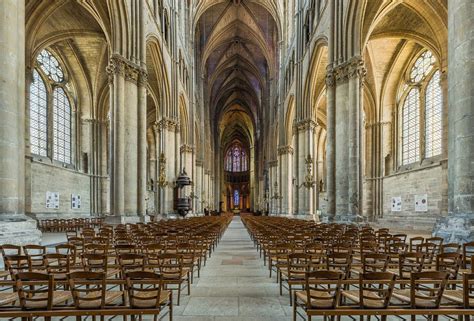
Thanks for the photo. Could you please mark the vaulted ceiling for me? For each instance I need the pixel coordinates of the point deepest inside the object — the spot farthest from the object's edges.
(236, 44)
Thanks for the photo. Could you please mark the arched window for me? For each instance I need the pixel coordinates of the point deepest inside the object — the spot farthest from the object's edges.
(50, 106)
(38, 116)
(61, 126)
(421, 111)
(236, 159)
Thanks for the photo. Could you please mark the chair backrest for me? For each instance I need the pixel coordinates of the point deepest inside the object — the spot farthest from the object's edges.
(468, 253)
(321, 292)
(36, 255)
(468, 290)
(95, 262)
(58, 264)
(427, 288)
(170, 263)
(449, 262)
(450, 248)
(429, 249)
(131, 262)
(409, 263)
(144, 289)
(10, 249)
(339, 262)
(375, 289)
(88, 289)
(375, 262)
(67, 249)
(17, 263)
(297, 265)
(35, 296)
(415, 241)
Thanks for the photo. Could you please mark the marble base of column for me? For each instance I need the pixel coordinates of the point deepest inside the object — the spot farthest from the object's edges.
(18, 229)
(455, 228)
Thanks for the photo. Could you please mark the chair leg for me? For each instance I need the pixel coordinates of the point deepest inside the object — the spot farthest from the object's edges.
(179, 292)
(294, 311)
(189, 286)
(289, 289)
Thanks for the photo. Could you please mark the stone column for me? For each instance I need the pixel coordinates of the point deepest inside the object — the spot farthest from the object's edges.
(356, 72)
(198, 187)
(15, 226)
(305, 135)
(168, 128)
(331, 143)
(459, 225)
(286, 179)
(142, 144)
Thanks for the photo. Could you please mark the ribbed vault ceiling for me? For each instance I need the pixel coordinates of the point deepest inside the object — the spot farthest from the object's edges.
(237, 49)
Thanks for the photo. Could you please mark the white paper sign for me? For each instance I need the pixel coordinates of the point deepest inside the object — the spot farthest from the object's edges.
(75, 201)
(396, 204)
(421, 203)
(52, 200)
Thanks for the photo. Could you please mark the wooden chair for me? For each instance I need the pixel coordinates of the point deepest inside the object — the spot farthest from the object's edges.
(294, 273)
(372, 262)
(41, 295)
(58, 265)
(131, 262)
(339, 262)
(95, 262)
(89, 291)
(173, 272)
(467, 254)
(451, 248)
(426, 291)
(16, 264)
(375, 291)
(316, 294)
(36, 254)
(415, 241)
(450, 263)
(146, 291)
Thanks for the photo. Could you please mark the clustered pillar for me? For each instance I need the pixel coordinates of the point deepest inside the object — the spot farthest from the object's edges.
(459, 225)
(15, 226)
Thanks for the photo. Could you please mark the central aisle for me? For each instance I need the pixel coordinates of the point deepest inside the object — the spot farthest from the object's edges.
(234, 285)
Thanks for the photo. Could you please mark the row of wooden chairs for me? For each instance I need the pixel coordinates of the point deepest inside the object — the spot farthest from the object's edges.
(69, 225)
(113, 261)
(359, 254)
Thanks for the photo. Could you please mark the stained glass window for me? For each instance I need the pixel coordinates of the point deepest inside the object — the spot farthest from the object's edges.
(38, 116)
(434, 113)
(236, 198)
(50, 66)
(236, 159)
(421, 116)
(50, 106)
(61, 126)
(422, 66)
(411, 128)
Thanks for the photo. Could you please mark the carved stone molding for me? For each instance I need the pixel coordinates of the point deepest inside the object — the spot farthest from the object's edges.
(285, 150)
(129, 70)
(378, 123)
(352, 68)
(169, 124)
(186, 148)
(305, 124)
(199, 162)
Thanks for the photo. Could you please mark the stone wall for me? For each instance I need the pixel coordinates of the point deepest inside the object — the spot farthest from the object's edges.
(431, 181)
(46, 178)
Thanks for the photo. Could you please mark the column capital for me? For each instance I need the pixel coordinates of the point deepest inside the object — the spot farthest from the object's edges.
(122, 66)
(305, 124)
(185, 148)
(352, 68)
(285, 150)
(168, 123)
